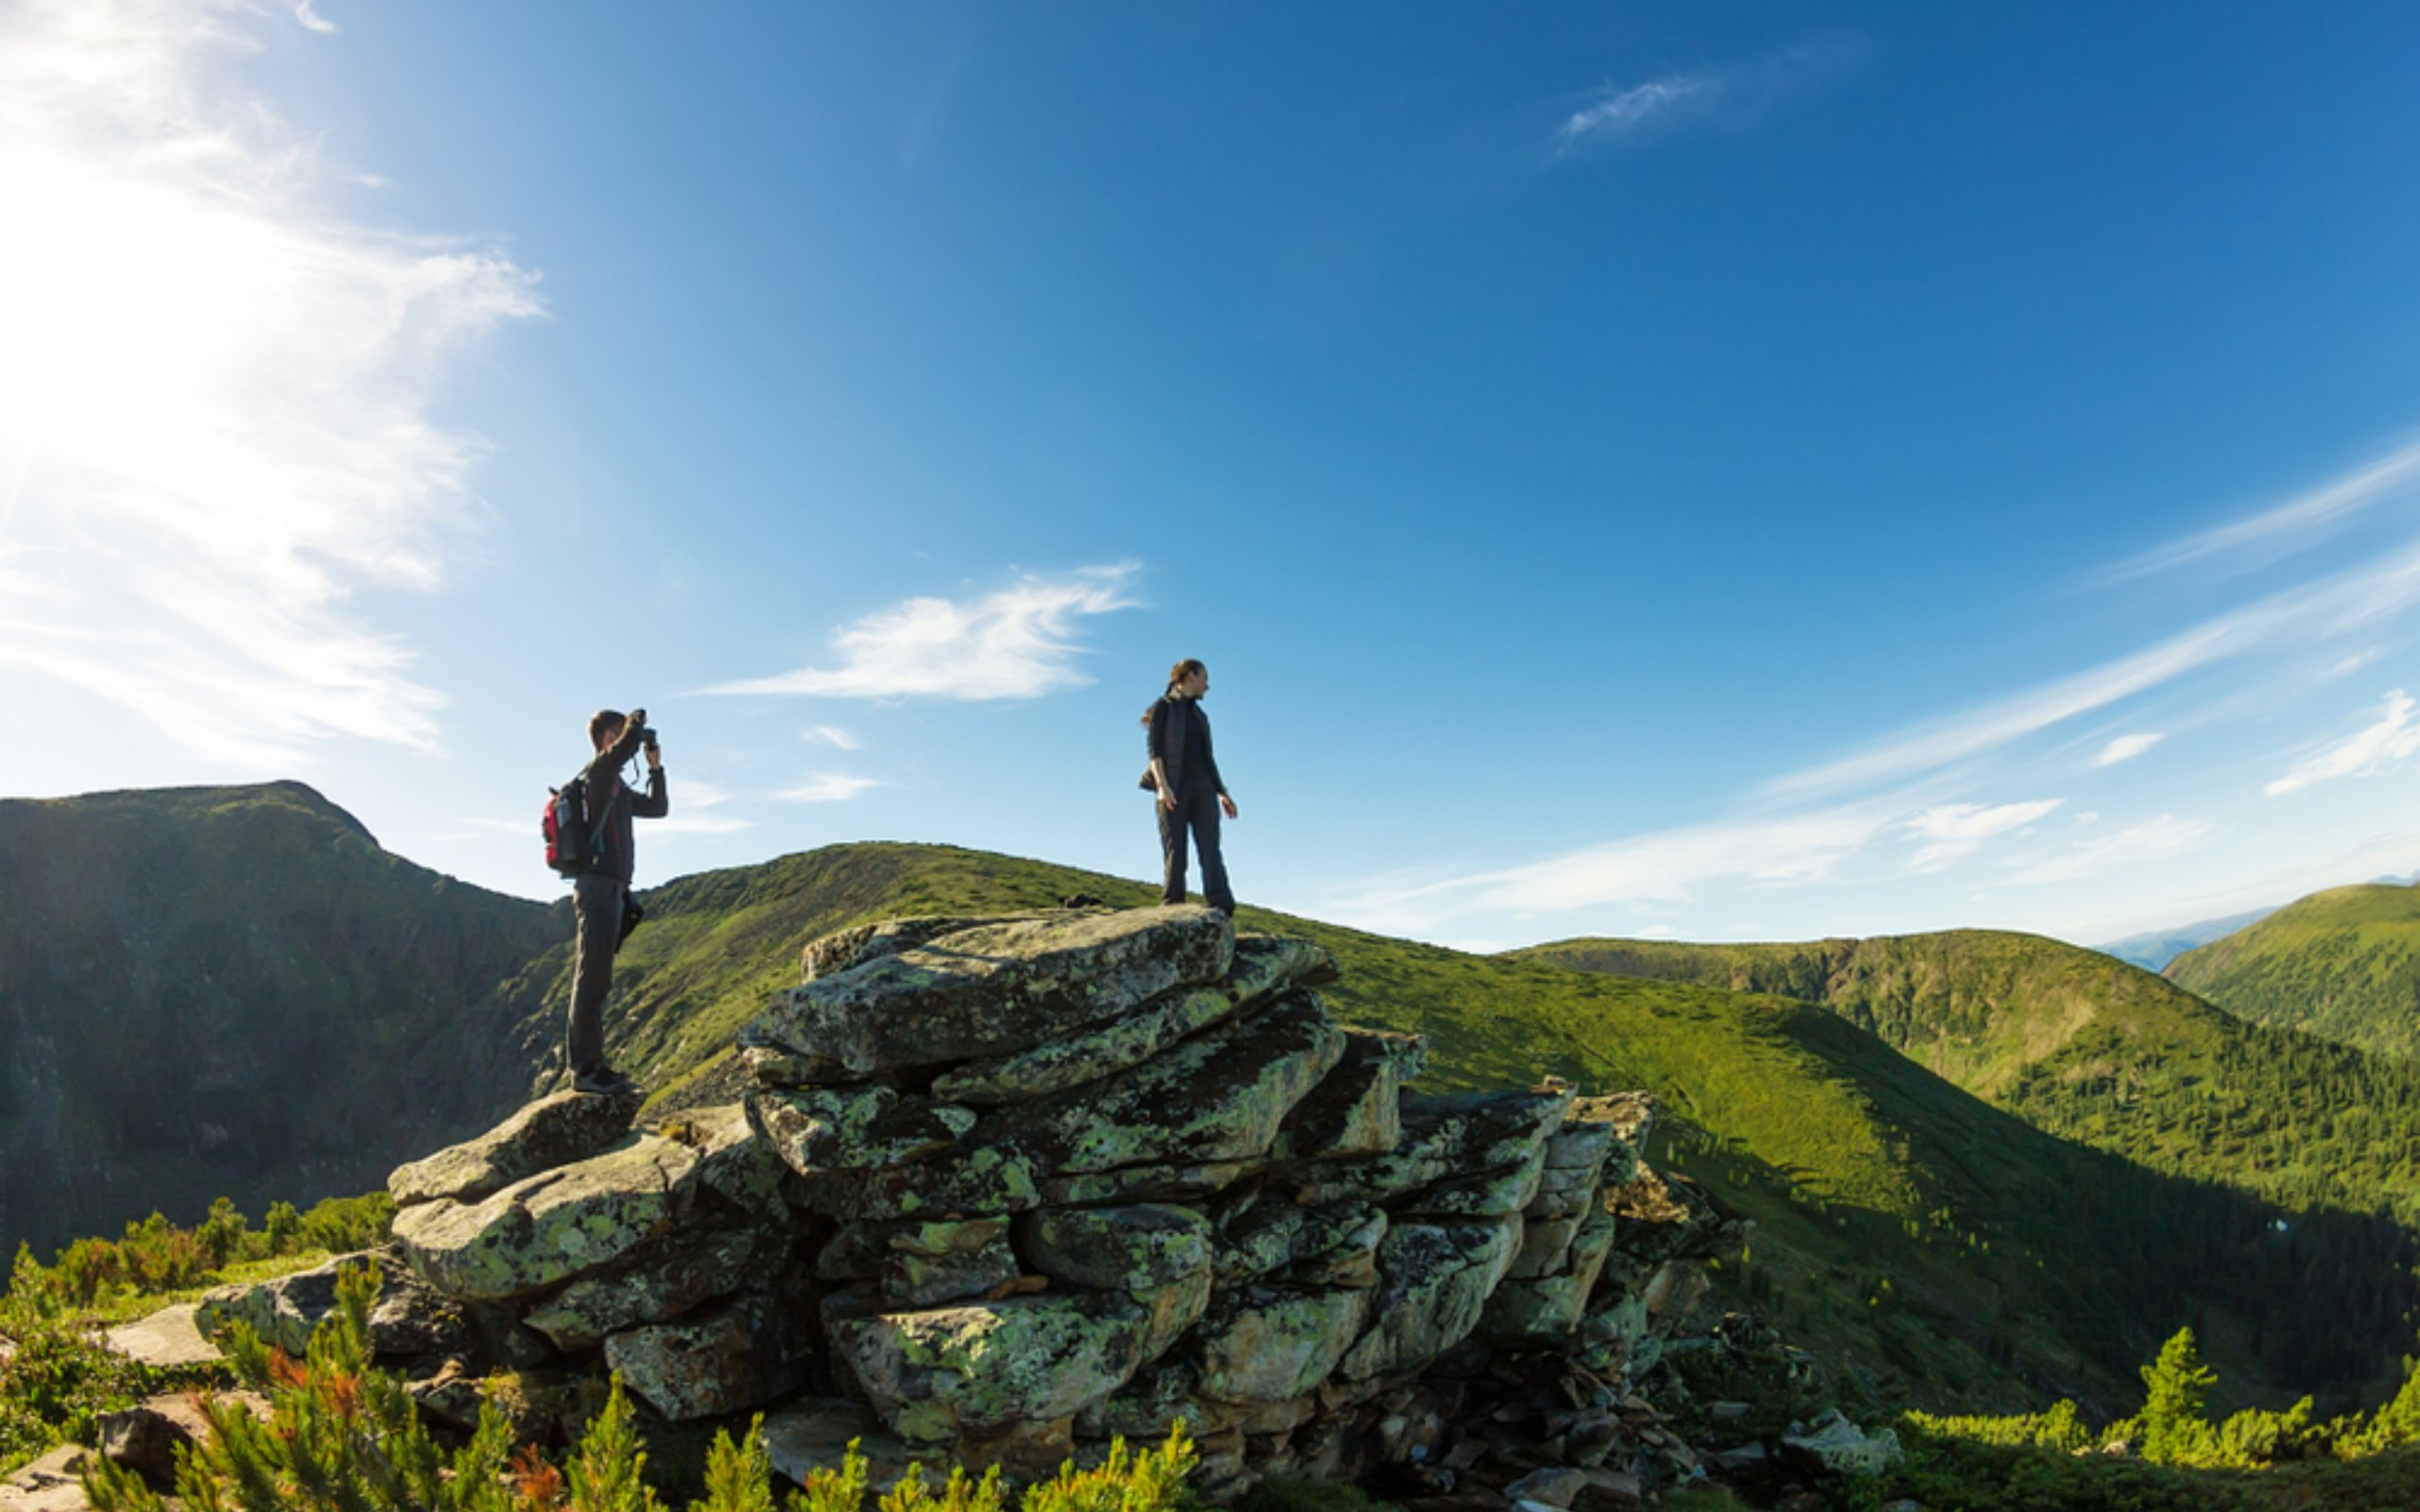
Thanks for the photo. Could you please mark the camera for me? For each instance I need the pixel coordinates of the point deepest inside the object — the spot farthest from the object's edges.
(646, 735)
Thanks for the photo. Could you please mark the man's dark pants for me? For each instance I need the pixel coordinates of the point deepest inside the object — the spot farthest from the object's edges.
(1197, 810)
(596, 903)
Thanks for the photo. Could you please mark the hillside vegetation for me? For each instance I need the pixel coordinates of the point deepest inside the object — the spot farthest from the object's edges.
(2344, 965)
(233, 991)
(2087, 1048)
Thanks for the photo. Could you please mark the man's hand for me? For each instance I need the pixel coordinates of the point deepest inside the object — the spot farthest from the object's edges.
(1227, 803)
(1167, 798)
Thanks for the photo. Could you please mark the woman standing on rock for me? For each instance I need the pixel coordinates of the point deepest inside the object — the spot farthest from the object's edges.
(1185, 774)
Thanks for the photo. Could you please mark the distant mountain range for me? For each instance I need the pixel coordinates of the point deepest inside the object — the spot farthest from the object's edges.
(2154, 950)
(1985, 1168)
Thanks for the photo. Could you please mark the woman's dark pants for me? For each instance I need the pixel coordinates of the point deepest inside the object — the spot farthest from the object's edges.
(1196, 810)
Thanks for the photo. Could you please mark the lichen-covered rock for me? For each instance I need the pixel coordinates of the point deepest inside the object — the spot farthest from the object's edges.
(1271, 1343)
(739, 1355)
(1169, 1310)
(1342, 1249)
(858, 1251)
(994, 989)
(1436, 1281)
(1545, 1244)
(1631, 1117)
(551, 1227)
(1177, 1182)
(1357, 1108)
(932, 1376)
(852, 1128)
(733, 1161)
(835, 952)
(1446, 1140)
(925, 1264)
(408, 1316)
(1549, 1303)
(1147, 1406)
(1262, 966)
(1132, 1249)
(813, 1435)
(1220, 1096)
(1662, 1217)
(550, 1133)
(968, 1181)
(656, 1289)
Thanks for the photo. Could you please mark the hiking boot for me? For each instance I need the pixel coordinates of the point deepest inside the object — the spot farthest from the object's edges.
(604, 1081)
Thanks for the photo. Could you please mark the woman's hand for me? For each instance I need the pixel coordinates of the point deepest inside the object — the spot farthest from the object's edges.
(1167, 798)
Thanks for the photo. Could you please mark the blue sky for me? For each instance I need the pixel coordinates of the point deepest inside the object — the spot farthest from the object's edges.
(1765, 472)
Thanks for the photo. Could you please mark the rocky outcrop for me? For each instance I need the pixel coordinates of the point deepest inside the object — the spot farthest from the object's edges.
(1001, 1187)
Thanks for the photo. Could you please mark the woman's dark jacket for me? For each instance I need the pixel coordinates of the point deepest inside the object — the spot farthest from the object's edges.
(1180, 742)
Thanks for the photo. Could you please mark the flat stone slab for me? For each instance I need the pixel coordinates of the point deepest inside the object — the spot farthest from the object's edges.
(550, 1133)
(1135, 1249)
(852, 1128)
(552, 1227)
(1263, 965)
(54, 1483)
(994, 989)
(1273, 1344)
(1218, 1096)
(167, 1339)
(408, 1318)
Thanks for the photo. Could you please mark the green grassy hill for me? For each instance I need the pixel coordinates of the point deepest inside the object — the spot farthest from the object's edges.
(2087, 1048)
(233, 991)
(2344, 965)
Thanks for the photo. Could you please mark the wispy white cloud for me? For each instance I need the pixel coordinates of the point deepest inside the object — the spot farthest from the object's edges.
(832, 735)
(831, 787)
(1957, 829)
(1018, 642)
(2289, 525)
(2350, 602)
(216, 397)
(2386, 742)
(2157, 836)
(698, 808)
(2355, 662)
(1663, 866)
(311, 18)
(2126, 748)
(1732, 97)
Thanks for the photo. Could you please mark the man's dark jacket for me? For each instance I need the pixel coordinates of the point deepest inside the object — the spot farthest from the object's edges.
(611, 805)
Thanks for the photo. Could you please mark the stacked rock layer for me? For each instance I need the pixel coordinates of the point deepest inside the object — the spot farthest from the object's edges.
(1014, 1186)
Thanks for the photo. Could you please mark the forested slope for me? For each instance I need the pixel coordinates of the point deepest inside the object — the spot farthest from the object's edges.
(2344, 965)
(233, 991)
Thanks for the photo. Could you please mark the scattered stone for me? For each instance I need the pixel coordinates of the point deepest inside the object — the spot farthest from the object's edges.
(167, 1339)
(1834, 1445)
(409, 1316)
(53, 1483)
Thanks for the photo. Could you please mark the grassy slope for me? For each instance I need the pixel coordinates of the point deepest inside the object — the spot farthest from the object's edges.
(1958, 1254)
(230, 991)
(2090, 1048)
(2344, 965)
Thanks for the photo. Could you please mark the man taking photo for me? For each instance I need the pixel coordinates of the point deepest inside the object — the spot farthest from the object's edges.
(601, 893)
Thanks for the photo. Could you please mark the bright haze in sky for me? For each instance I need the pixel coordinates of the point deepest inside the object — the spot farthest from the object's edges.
(1645, 470)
